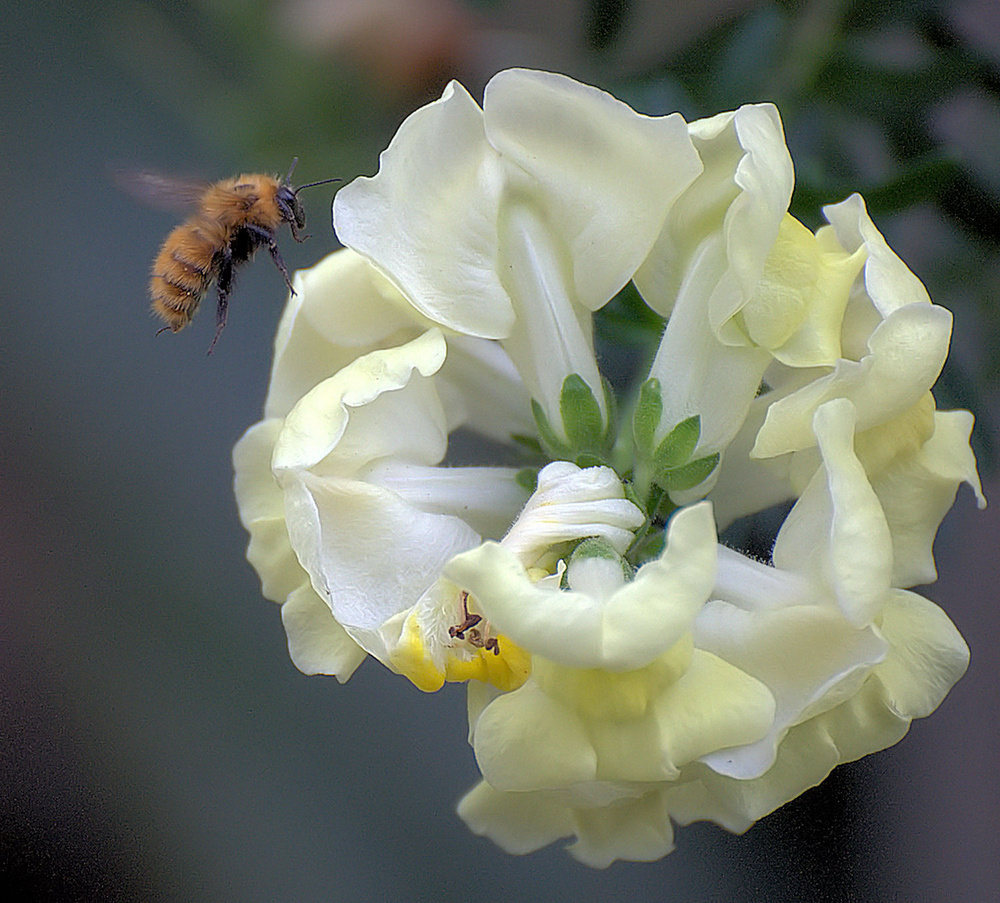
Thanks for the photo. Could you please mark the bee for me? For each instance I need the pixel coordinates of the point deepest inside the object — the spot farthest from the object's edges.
(233, 219)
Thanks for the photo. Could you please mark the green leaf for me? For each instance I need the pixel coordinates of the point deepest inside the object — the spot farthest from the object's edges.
(689, 475)
(646, 418)
(581, 414)
(678, 445)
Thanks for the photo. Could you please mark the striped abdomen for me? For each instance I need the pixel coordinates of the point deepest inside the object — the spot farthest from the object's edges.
(185, 269)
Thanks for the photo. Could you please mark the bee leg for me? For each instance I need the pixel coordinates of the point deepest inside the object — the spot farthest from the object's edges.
(266, 238)
(223, 287)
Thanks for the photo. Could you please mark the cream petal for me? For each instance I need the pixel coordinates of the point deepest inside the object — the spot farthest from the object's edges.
(808, 656)
(257, 492)
(917, 491)
(809, 752)
(837, 530)
(637, 831)
(928, 654)
(742, 193)
(525, 740)
(518, 823)
(317, 644)
(714, 705)
(262, 512)
(906, 353)
(271, 555)
(636, 625)
(746, 485)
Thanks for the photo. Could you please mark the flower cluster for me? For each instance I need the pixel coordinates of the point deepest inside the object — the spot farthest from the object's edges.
(444, 480)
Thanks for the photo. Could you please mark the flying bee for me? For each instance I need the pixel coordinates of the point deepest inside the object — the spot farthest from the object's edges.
(233, 219)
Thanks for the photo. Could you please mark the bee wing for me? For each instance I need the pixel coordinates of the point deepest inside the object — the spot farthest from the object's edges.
(172, 193)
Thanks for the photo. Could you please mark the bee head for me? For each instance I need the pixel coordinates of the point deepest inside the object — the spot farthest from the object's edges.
(288, 201)
(291, 207)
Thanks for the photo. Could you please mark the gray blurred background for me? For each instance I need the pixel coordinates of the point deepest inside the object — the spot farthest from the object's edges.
(156, 744)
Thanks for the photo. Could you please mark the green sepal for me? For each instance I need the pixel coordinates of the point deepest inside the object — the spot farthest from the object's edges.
(647, 414)
(677, 446)
(530, 443)
(556, 449)
(594, 547)
(581, 414)
(588, 459)
(611, 405)
(689, 475)
(649, 548)
(527, 478)
(633, 496)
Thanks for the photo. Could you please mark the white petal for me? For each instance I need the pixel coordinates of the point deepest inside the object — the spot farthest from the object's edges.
(370, 554)
(602, 175)
(375, 407)
(486, 498)
(549, 339)
(698, 374)
(428, 220)
(888, 281)
(482, 391)
(571, 503)
(341, 308)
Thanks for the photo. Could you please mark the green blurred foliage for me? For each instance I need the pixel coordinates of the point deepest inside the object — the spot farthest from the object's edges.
(857, 83)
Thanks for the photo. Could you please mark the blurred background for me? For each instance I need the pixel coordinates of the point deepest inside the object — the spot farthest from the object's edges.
(156, 744)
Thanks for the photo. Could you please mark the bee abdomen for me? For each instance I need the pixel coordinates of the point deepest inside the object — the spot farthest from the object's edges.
(183, 272)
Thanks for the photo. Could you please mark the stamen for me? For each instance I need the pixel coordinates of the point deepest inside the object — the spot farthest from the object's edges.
(468, 626)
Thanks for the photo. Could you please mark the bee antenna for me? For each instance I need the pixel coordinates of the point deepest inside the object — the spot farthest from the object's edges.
(291, 169)
(314, 184)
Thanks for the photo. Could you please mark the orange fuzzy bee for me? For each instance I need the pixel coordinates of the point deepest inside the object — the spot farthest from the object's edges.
(233, 219)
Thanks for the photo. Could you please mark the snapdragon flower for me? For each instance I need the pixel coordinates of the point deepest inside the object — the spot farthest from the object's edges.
(445, 481)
